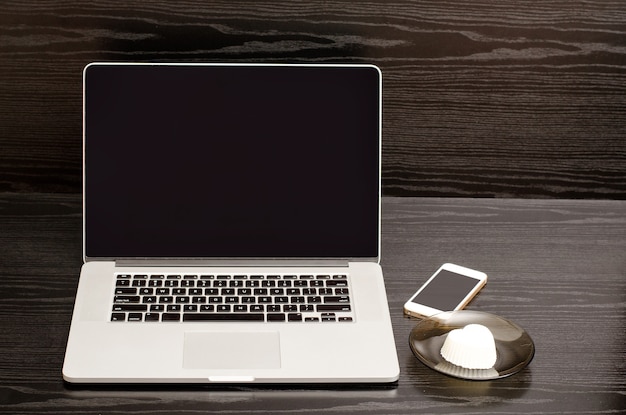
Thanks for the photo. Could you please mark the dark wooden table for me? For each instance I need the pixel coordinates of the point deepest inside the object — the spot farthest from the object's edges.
(556, 267)
(490, 98)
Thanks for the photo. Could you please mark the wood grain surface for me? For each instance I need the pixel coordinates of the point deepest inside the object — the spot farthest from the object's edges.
(557, 268)
(482, 98)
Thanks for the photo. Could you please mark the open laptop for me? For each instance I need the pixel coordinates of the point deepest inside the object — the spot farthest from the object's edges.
(231, 226)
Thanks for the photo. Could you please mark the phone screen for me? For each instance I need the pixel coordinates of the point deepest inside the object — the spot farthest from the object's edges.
(445, 291)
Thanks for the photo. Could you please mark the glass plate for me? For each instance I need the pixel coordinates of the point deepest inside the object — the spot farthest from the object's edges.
(514, 347)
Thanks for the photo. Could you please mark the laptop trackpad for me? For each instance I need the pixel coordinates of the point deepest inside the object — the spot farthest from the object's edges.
(232, 350)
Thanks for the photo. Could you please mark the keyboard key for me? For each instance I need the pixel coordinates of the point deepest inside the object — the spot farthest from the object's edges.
(170, 317)
(224, 317)
(146, 291)
(152, 317)
(125, 291)
(135, 317)
(328, 317)
(333, 307)
(275, 317)
(190, 308)
(294, 317)
(127, 299)
(129, 307)
(118, 317)
(337, 299)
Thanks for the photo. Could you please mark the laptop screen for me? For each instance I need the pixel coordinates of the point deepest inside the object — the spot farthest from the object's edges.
(231, 161)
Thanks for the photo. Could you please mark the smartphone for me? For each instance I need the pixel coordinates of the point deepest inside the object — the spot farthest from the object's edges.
(449, 289)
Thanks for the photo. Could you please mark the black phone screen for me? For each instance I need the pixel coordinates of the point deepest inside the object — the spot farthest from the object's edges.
(445, 291)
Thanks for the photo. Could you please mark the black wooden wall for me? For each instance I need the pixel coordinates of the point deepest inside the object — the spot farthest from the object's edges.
(486, 98)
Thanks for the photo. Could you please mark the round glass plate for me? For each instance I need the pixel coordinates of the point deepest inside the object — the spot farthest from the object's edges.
(514, 347)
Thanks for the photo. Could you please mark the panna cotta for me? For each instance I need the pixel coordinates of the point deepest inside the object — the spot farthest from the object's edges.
(471, 347)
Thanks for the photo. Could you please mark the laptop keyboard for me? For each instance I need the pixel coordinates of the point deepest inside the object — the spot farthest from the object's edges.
(266, 298)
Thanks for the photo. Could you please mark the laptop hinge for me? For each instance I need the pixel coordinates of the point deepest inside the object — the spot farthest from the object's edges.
(262, 262)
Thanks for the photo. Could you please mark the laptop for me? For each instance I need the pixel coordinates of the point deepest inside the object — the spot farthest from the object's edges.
(231, 226)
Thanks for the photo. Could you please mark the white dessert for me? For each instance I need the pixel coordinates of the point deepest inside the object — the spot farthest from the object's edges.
(472, 347)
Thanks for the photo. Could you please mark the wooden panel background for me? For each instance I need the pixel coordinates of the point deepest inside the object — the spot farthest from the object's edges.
(483, 98)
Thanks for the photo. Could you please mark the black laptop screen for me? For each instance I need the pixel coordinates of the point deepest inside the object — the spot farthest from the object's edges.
(206, 161)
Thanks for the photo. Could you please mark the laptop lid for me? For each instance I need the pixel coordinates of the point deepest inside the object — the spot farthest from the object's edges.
(232, 162)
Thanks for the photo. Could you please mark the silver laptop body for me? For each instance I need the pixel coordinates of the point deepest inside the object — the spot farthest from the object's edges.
(253, 179)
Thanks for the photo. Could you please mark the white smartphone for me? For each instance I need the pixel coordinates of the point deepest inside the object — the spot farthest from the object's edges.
(449, 289)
